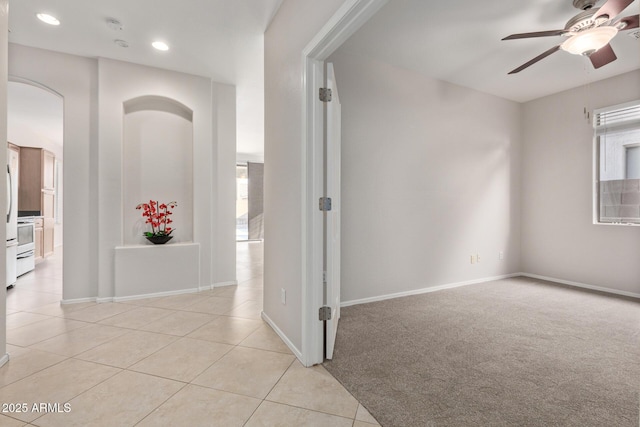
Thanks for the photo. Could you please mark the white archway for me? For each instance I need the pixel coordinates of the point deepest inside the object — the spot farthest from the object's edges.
(35, 118)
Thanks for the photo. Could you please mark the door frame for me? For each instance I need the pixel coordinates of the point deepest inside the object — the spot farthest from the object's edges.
(346, 21)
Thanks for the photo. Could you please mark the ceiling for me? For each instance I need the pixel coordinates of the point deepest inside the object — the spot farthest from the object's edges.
(459, 41)
(220, 39)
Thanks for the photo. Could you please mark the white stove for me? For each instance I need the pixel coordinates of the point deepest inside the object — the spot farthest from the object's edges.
(26, 245)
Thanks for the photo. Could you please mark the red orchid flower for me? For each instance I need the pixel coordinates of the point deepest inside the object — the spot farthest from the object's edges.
(157, 214)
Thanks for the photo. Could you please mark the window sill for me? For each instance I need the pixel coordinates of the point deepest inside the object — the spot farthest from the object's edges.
(623, 224)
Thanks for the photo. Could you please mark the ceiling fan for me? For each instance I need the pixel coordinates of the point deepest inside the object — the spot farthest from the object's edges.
(589, 32)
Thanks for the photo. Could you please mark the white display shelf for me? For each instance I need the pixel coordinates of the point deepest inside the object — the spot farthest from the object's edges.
(148, 270)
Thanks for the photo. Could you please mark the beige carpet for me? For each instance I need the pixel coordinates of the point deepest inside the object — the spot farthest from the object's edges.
(516, 352)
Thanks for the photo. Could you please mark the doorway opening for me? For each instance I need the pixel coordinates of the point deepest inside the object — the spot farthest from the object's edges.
(249, 201)
(346, 21)
(250, 232)
(35, 144)
(242, 202)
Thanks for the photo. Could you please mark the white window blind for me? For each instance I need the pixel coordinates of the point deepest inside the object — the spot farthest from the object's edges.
(617, 118)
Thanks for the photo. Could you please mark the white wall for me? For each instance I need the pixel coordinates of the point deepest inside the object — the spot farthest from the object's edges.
(558, 236)
(94, 92)
(430, 176)
(224, 168)
(4, 40)
(296, 22)
(250, 99)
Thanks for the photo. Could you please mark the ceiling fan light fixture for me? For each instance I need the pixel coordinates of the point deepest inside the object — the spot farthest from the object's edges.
(588, 41)
(48, 19)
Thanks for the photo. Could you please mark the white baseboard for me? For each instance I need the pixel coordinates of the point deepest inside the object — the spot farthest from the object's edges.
(282, 336)
(156, 294)
(222, 284)
(80, 300)
(581, 285)
(426, 290)
(4, 359)
(487, 279)
(218, 285)
(152, 295)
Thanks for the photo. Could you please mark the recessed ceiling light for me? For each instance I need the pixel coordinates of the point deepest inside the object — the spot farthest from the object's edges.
(51, 20)
(121, 43)
(160, 45)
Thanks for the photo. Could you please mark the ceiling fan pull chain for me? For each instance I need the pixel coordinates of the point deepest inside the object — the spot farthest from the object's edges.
(587, 86)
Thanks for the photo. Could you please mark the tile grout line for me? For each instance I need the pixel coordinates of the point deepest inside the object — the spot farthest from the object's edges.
(270, 390)
(165, 401)
(205, 295)
(54, 336)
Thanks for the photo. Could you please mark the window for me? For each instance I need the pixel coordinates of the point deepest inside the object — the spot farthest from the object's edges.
(633, 162)
(617, 150)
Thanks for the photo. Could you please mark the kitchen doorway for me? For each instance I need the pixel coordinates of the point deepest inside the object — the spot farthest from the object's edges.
(35, 135)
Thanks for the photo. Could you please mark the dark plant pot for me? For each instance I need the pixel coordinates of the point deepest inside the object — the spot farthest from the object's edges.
(159, 240)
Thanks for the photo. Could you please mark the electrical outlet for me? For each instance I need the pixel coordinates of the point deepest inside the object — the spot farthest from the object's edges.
(283, 296)
(478, 258)
(473, 259)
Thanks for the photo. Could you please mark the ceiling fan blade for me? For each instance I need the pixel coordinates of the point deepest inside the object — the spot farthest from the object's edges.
(536, 59)
(602, 56)
(629, 22)
(612, 8)
(536, 34)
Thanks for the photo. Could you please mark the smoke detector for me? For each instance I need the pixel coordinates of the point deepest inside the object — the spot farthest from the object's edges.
(114, 24)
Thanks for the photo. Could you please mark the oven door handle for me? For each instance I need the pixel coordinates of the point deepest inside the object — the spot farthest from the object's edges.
(28, 254)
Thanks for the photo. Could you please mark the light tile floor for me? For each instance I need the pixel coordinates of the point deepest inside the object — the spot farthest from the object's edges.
(204, 359)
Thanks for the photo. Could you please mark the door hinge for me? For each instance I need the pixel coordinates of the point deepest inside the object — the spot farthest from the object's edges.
(325, 94)
(325, 203)
(324, 313)
(324, 277)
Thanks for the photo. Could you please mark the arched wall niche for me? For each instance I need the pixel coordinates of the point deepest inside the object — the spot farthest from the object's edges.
(157, 164)
(158, 103)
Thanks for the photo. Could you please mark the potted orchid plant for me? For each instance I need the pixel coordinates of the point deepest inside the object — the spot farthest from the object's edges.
(158, 216)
